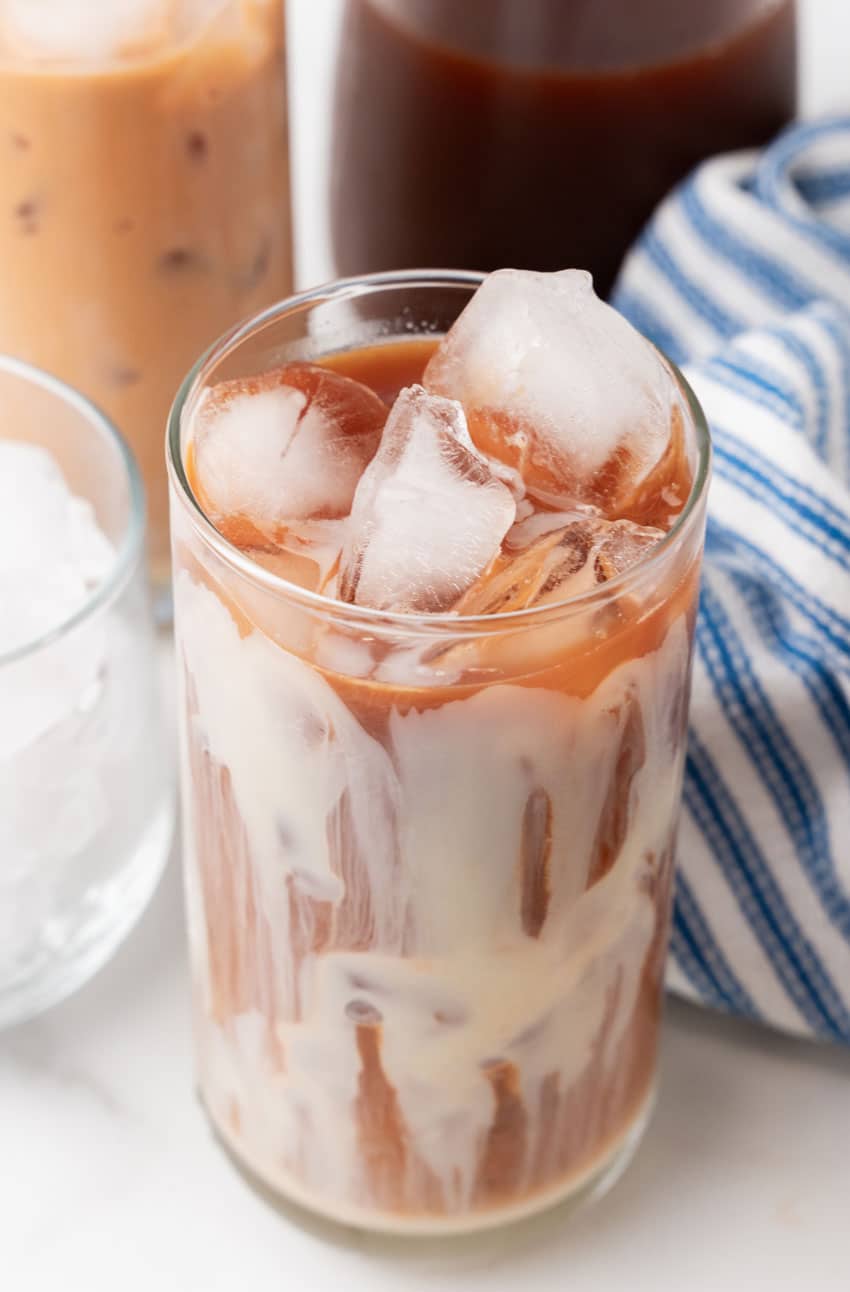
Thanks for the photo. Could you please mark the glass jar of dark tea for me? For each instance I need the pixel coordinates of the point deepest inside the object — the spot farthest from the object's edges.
(540, 133)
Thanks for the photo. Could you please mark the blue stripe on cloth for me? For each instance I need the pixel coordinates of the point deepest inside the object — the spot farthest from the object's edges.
(775, 170)
(811, 515)
(685, 951)
(774, 278)
(686, 954)
(757, 382)
(701, 956)
(782, 769)
(800, 653)
(646, 320)
(840, 336)
(824, 187)
(747, 556)
(797, 968)
(803, 353)
(720, 319)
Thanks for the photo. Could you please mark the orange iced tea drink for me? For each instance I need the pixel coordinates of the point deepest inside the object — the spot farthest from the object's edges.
(436, 560)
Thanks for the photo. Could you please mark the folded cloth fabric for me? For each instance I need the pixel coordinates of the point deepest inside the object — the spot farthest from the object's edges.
(743, 276)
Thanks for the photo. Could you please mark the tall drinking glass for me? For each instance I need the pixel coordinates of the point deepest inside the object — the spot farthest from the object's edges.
(428, 857)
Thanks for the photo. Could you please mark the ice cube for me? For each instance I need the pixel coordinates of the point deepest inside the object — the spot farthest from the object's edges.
(621, 547)
(557, 555)
(84, 29)
(52, 552)
(429, 514)
(557, 384)
(286, 446)
(308, 554)
(52, 557)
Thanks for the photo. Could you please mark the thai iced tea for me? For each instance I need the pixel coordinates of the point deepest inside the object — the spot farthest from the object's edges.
(145, 172)
(436, 572)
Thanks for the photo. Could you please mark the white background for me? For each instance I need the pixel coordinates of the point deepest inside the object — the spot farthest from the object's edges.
(109, 1178)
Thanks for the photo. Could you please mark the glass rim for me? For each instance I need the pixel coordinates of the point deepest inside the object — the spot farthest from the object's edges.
(128, 550)
(365, 616)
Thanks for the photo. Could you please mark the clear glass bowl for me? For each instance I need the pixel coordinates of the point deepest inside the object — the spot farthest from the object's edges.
(86, 792)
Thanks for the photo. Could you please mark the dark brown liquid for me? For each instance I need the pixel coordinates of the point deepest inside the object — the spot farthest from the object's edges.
(387, 367)
(539, 134)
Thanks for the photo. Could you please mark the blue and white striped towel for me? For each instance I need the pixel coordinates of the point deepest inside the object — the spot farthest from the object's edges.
(743, 276)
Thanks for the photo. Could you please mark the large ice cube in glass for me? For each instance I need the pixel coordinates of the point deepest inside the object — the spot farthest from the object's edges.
(283, 447)
(558, 384)
(429, 514)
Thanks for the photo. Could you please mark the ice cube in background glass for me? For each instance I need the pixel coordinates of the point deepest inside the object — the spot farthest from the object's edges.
(532, 359)
(286, 446)
(308, 554)
(85, 28)
(52, 556)
(429, 513)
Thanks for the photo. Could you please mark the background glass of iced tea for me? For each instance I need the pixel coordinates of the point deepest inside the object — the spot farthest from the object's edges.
(428, 858)
(145, 169)
(86, 786)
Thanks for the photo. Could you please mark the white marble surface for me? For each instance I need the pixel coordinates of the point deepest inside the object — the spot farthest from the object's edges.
(111, 1180)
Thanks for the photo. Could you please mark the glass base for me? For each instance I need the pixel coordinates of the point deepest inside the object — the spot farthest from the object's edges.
(313, 1211)
(74, 943)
